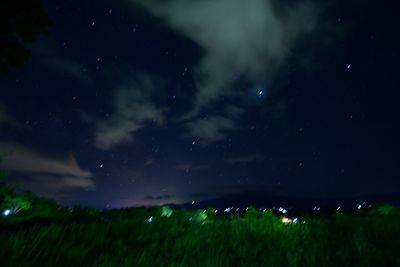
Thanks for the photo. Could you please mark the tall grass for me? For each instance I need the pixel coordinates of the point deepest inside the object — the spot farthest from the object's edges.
(124, 239)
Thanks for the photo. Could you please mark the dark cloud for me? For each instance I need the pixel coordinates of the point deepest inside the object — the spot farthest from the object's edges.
(162, 197)
(234, 188)
(53, 59)
(199, 195)
(5, 117)
(70, 68)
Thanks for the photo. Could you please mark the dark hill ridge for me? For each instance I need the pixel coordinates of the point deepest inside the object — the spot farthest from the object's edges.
(263, 200)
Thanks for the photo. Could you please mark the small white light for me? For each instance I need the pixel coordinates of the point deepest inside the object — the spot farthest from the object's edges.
(7, 212)
(282, 210)
(227, 210)
(215, 211)
(295, 220)
(265, 210)
(359, 207)
(193, 202)
(338, 208)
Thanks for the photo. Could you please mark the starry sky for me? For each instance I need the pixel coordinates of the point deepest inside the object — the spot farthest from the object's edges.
(142, 102)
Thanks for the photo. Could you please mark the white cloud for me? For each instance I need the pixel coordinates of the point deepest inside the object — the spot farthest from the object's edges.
(238, 38)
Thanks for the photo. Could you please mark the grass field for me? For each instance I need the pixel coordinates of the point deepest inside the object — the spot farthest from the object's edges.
(152, 237)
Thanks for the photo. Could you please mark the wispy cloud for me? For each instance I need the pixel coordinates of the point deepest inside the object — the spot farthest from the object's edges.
(216, 127)
(210, 129)
(22, 159)
(239, 38)
(5, 117)
(186, 167)
(53, 58)
(71, 68)
(243, 159)
(45, 174)
(133, 110)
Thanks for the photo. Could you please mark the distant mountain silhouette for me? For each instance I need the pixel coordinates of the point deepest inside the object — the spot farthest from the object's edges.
(261, 199)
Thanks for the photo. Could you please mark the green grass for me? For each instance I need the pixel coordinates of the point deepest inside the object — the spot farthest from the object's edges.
(122, 238)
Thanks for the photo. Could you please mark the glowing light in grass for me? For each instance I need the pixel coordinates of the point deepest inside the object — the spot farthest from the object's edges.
(286, 220)
(166, 211)
(149, 220)
(227, 210)
(338, 208)
(359, 207)
(7, 212)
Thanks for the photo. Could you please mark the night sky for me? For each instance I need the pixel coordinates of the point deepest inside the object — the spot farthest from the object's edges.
(142, 102)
